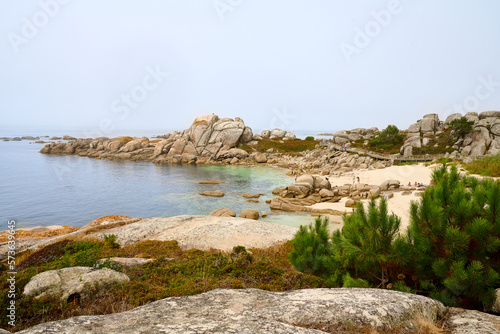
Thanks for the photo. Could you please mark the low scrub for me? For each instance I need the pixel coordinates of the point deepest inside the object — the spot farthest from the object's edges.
(174, 273)
(486, 166)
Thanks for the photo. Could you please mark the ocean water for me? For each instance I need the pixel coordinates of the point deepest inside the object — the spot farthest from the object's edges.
(40, 190)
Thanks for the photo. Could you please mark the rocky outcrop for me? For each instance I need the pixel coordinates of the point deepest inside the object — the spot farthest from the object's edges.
(73, 282)
(257, 311)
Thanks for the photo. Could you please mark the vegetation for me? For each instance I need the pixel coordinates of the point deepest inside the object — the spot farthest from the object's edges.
(450, 252)
(461, 127)
(286, 146)
(389, 139)
(174, 273)
(486, 166)
(439, 144)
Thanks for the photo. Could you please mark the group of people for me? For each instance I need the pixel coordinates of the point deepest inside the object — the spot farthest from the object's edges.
(416, 184)
(354, 179)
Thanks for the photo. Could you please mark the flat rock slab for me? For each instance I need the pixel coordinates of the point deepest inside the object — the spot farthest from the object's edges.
(256, 311)
(473, 322)
(202, 232)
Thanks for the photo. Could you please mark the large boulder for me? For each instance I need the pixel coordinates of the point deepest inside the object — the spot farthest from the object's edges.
(73, 282)
(452, 117)
(390, 184)
(202, 232)
(278, 133)
(487, 114)
(260, 158)
(249, 214)
(265, 134)
(224, 212)
(300, 190)
(250, 311)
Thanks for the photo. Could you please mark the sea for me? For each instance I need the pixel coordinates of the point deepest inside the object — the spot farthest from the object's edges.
(41, 190)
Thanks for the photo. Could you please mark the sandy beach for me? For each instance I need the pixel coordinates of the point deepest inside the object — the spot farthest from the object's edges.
(399, 204)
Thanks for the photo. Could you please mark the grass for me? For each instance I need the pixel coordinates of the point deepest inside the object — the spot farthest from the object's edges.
(288, 146)
(486, 166)
(444, 142)
(174, 273)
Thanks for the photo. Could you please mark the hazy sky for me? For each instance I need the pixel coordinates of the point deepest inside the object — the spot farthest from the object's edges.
(325, 65)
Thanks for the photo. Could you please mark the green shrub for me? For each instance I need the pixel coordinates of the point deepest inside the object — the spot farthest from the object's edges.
(388, 139)
(451, 250)
(461, 127)
(110, 240)
(309, 138)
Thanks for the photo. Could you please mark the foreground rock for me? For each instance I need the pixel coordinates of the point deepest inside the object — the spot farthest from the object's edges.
(250, 214)
(256, 311)
(72, 283)
(473, 322)
(191, 232)
(202, 232)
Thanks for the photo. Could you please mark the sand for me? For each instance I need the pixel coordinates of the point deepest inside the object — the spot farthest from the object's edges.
(399, 204)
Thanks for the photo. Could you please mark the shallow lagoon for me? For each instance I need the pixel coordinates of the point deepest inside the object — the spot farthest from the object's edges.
(41, 190)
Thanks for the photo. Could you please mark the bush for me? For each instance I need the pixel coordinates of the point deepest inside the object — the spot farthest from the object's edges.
(388, 139)
(309, 138)
(451, 251)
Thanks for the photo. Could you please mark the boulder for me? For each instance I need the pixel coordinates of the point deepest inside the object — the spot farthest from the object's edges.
(326, 193)
(247, 195)
(249, 214)
(390, 184)
(260, 158)
(487, 114)
(278, 133)
(177, 147)
(472, 322)
(224, 212)
(300, 190)
(250, 311)
(289, 136)
(306, 178)
(212, 193)
(74, 282)
(265, 134)
(428, 124)
(350, 203)
(452, 117)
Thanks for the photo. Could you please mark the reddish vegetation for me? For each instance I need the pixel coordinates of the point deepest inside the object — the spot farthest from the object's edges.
(107, 219)
(22, 234)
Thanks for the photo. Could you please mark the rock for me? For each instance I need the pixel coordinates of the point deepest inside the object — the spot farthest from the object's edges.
(210, 182)
(306, 178)
(29, 138)
(374, 192)
(72, 282)
(224, 212)
(350, 203)
(249, 214)
(428, 124)
(276, 191)
(495, 308)
(265, 134)
(177, 147)
(278, 133)
(486, 114)
(212, 193)
(452, 117)
(260, 158)
(247, 195)
(251, 311)
(472, 322)
(127, 261)
(414, 128)
(268, 201)
(289, 136)
(234, 161)
(300, 190)
(326, 193)
(66, 137)
(390, 184)
(378, 165)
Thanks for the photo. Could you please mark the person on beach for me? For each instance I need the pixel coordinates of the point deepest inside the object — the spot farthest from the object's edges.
(358, 179)
(354, 180)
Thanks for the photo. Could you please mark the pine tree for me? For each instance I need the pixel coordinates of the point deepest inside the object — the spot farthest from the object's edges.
(312, 248)
(455, 238)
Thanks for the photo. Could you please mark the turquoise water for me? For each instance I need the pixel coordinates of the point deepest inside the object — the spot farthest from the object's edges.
(40, 190)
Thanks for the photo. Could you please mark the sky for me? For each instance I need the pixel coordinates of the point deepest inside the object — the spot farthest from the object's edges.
(101, 67)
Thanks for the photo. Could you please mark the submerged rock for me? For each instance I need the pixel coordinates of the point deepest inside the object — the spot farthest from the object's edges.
(212, 193)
